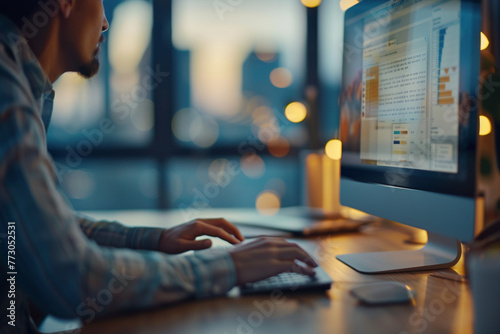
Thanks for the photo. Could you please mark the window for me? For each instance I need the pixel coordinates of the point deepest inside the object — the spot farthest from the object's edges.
(188, 92)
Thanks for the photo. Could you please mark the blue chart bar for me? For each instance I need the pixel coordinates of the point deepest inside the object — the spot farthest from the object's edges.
(442, 35)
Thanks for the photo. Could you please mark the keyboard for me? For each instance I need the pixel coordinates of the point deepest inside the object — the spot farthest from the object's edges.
(286, 282)
(289, 282)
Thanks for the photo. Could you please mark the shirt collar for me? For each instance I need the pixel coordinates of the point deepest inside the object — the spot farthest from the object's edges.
(12, 36)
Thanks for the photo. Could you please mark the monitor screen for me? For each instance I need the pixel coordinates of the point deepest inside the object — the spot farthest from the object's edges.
(408, 101)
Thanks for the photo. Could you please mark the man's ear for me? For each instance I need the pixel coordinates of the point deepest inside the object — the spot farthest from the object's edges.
(66, 7)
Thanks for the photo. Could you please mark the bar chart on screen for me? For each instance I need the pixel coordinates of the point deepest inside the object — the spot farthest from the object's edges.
(445, 63)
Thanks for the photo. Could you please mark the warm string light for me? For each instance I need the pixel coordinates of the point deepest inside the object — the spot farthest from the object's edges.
(268, 203)
(296, 112)
(311, 3)
(484, 126)
(281, 77)
(333, 149)
(346, 4)
(484, 41)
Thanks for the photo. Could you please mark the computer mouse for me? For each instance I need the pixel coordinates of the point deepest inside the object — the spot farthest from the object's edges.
(383, 293)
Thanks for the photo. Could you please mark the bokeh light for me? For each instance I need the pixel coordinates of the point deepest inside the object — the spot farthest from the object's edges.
(217, 171)
(268, 127)
(346, 4)
(268, 203)
(143, 117)
(79, 184)
(252, 165)
(181, 122)
(189, 126)
(484, 42)
(266, 135)
(311, 3)
(266, 57)
(204, 131)
(279, 147)
(262, 115)
(281, 77)
(333, 149)
(296, 112)
(484, 126)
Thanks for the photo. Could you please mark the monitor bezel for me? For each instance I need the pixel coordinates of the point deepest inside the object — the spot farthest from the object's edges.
(462, 183)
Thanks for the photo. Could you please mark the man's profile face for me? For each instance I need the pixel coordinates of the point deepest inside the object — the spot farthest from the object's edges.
(84, 36)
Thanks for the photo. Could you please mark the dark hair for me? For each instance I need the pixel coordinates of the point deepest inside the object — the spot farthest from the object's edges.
(16, 10)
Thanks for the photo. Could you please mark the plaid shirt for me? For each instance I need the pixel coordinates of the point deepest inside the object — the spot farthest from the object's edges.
(67, 265)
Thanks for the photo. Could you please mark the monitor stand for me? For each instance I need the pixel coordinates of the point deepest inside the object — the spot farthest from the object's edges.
(439, 253)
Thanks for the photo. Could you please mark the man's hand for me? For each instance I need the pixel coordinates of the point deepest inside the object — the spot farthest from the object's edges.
(181, 238)
(267, 257)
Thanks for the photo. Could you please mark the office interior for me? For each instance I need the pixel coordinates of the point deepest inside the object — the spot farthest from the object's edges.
(222, 77)
(215, 105)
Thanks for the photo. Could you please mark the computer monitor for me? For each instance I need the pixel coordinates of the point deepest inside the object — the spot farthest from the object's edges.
(409, 124)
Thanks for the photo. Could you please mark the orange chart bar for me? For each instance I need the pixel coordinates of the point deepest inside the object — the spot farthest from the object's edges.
(444, 79)
(448, 100)
(446, 93)
(442, 86)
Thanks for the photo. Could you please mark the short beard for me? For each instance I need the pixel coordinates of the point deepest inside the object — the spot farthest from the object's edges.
(90, 69)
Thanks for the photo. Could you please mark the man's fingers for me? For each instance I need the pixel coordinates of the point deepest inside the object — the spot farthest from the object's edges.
(296, 268)
(196, 244)
(289, 253)
(279, 249)
(274, 267)
(291, 266)
(213, 231)
(267, 257)
(227, 226)
(296, 253)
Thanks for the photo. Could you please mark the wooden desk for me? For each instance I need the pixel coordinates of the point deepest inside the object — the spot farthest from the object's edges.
(440, 306)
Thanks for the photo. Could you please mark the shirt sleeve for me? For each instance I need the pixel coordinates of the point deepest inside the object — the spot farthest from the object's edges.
(65, 273)
(115, 234)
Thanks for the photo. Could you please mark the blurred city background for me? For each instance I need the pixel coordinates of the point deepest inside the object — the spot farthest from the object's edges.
(201, 102)
(204, 102)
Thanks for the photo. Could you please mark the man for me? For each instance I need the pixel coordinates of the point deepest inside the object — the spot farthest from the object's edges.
(63, 264)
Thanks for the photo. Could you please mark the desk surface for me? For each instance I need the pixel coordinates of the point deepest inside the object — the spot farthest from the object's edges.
(440, 306)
